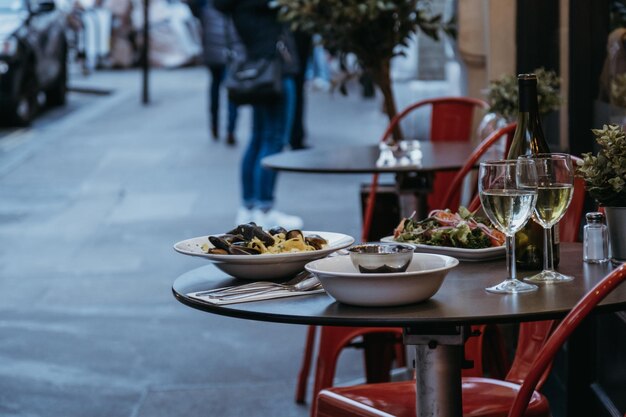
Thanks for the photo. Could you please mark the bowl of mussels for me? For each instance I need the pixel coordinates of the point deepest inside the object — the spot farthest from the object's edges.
(250, 252)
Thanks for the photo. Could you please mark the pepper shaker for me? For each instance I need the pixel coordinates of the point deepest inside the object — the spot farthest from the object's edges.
(596, 239)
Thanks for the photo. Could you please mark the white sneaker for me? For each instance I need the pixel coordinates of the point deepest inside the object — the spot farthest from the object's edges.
(273, 218)
(244, 215)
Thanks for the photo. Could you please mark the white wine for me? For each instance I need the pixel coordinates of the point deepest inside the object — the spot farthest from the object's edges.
(508, 210)
(529, 139)
(552, 203)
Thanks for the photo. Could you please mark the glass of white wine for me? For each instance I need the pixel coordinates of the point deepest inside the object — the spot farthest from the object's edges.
(508, 191)
(555, 187)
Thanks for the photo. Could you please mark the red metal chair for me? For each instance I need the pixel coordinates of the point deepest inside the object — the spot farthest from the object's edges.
(451, 120)
(486, 343)
(517, 398)
(545, 357)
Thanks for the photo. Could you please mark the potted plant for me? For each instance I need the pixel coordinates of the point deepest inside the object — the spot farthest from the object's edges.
(502, 97)
(372, 30)
(605, 178)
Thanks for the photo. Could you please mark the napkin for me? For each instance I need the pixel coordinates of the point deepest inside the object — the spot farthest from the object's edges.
(278, 293)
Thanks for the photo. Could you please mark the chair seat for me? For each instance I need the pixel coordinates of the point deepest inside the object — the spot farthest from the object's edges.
(481, 397)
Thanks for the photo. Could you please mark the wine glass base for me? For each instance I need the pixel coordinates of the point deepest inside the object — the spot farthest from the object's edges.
(548, 277)
(511, 286)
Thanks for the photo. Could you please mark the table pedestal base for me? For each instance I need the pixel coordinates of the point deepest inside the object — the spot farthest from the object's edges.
(438, 360)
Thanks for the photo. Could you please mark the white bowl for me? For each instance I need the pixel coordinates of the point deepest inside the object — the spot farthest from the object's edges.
(268, 266)
(346, 284)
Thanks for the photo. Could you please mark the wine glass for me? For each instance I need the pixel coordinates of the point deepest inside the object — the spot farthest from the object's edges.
(508, 191)
(555, 185)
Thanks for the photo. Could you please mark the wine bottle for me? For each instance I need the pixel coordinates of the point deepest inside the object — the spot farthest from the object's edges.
(529, 139)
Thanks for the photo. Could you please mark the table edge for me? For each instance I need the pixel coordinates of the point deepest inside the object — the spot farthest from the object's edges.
(317, 321)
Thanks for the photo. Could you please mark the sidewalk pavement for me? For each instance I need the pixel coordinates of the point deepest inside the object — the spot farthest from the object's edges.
(91, 206)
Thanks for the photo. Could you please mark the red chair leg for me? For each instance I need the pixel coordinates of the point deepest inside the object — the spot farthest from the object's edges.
(305, 369)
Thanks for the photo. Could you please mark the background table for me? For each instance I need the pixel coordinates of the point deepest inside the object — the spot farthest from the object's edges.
(413, 180)
(436, 156)
(443, 320)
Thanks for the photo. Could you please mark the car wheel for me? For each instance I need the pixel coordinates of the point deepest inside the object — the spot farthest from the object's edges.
(55, 95)
(26, 104)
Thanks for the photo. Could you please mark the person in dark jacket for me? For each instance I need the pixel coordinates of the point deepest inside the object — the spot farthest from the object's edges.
(259, 30)
(219, 41)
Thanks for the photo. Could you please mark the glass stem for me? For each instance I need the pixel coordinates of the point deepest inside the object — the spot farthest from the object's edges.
(510, 256)
(548, 263)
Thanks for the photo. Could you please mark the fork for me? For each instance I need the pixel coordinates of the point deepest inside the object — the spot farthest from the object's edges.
(254, 286)
(309, 284)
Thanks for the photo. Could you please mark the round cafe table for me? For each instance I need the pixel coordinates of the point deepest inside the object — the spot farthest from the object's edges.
(361, 159)
(415, 178)
(437, 328)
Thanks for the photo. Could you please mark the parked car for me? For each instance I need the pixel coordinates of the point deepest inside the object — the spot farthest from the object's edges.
(33, 58)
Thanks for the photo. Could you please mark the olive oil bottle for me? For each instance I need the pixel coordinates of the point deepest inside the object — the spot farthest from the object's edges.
(529, 139)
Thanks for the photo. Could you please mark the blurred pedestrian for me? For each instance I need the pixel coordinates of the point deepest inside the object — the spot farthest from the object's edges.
(220, 42)
(318, 70)
(298, 132)
(260, 32)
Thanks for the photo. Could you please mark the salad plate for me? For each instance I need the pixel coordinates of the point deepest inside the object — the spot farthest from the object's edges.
(462, 254)
(265, 266)
(463, 235)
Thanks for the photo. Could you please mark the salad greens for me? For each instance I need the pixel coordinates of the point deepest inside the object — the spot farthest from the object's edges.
(444, 228)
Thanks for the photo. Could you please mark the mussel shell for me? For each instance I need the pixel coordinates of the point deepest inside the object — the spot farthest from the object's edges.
(263, 236)
(245, 230)
(316, 241)
(217, 251)
(238, 249)
(219, 242)
(294, 234)
(230, 239)
(276, 230)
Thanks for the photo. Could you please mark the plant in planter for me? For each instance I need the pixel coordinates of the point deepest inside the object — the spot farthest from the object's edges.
(605, 179)
(372, 30)
(502, 93)
(502, 97)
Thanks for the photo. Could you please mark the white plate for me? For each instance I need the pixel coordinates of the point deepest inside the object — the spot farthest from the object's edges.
(473, 255)
(346, 284)
(268, 266)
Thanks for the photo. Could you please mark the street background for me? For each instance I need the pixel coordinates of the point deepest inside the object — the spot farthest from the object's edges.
(93, 196)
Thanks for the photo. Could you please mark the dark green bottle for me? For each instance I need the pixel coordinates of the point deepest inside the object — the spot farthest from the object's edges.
(529, 139)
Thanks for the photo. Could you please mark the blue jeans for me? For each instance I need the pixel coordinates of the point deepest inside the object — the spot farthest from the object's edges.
(271, 130)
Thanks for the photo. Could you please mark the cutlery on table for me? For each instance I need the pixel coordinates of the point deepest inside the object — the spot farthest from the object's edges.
(255, 286)
(309, 284)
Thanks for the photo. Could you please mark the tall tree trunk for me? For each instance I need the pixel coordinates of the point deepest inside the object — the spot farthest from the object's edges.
(382, 77)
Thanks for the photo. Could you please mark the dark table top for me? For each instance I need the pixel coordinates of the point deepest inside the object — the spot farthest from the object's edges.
(461, 299)
(436, 156)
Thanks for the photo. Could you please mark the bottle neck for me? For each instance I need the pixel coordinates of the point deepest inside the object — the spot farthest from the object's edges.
(528, 138)
(527, 102)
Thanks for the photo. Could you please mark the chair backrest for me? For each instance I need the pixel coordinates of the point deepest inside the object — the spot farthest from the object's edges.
(546, 355)
(569, 226)
(453, 195)
(451, 118)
